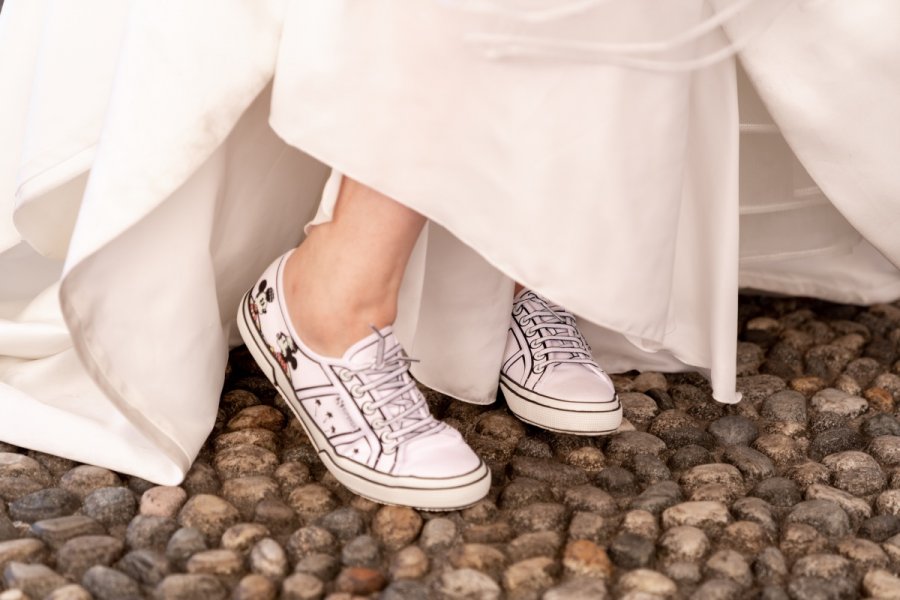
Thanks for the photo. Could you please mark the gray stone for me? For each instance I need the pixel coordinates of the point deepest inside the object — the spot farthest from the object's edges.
(320, 565)
(626, 445)
(36, 581)
(886, 449)
(530, 576)
(839, 403)
(84, 479)
(208, 514)
(706, 515)
(638, 408)
(777, 491)
(684, 543)
(44, 504)
(590, 498)
(755, 510)
(786, 406)
(630, 551)
(879, 583)
(648, 582)
(855, 472)
(827, 361)
(147, 567)
(540, 516)
(438, 535)
(481, 557)
(14, 465)
(650, 469)
(409, 563)
(56, 532)
(152, 533)
(302, 586)
(110, 506)
(581, 588)
(548, 471)
(756, 388)
(880, 528)
(782, 449)
(191, 587)
(617, 481)
(717, 473)
(25, 551)
(79, 554)
(825, 516)
(770, 566)
(856, 508)
(729, 564)
(362, 551)
(69, 592)
(717, 589)
(834, 441)
(813, 588)
(529, 545)
(752, 464)
(888, 503)
(733, 430)
(879, 425)
(344, 523)
(523, 491)
(466, 584)
(268, 558)
(184, 543)
(658, 497)
(405, 590)
(108, 584)
(690, 456)
(244, 493)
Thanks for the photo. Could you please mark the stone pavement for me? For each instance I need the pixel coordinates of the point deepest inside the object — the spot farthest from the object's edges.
(793, 493)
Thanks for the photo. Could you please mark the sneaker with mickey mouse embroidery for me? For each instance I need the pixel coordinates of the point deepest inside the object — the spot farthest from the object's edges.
(362, 411)
(549, 377)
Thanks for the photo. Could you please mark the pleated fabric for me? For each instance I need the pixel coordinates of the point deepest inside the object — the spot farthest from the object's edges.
(156, 156)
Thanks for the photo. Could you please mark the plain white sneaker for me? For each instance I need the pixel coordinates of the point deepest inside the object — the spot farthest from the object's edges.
(362, 411)
(549, 377)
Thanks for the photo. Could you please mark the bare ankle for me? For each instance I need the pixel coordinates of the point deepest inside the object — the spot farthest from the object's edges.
(331, 312)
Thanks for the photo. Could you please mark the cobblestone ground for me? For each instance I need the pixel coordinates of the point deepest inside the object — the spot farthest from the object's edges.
(793, 493)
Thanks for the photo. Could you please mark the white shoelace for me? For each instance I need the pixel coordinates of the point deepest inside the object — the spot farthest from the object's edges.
(556, 339)
(388, 376)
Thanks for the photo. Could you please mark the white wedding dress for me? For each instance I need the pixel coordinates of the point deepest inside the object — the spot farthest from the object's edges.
(150, 169)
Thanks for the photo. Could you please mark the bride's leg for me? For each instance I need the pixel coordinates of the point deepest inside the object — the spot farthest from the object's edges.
(346, 274)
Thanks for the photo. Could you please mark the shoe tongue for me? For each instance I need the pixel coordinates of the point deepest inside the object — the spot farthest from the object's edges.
(536, 303)
(365, 351)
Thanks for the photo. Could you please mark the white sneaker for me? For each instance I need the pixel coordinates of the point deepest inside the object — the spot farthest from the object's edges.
(549, 377)
(362, 411)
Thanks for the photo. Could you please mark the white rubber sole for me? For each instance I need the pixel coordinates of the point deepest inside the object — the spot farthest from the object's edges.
(560, 416)
(433, 494)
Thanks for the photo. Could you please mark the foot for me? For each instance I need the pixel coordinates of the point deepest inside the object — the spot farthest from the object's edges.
(549, 377)
(362, 411)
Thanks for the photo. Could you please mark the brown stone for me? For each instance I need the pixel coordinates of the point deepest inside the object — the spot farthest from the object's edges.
(360, 580)
(585, 558)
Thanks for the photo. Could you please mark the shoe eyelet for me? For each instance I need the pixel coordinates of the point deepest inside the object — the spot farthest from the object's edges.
(534, 344)
(356, 391)
(529, 331)
(346, 375)
(388, 449)
(378, 424)
(539, 368)
(368, 409)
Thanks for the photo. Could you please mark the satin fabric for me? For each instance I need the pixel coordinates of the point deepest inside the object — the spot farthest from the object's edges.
(150, 170)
